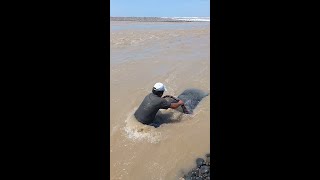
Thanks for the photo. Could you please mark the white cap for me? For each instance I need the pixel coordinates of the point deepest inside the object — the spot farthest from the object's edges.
(160, 87)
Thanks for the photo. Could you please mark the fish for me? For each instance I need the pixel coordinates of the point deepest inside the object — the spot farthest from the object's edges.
(191, 98)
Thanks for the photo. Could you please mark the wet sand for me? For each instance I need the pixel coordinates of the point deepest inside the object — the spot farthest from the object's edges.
(143, 53)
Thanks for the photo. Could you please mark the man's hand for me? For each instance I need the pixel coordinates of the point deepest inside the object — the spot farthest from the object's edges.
(176, 105)
(181, 102)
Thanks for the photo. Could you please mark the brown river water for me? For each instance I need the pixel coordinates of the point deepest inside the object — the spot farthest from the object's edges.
(178, 55)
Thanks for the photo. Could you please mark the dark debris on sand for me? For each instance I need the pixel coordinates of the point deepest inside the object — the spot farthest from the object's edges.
(201, 171)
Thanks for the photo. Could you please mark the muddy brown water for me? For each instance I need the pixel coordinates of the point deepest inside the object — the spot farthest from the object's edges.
(178, 55)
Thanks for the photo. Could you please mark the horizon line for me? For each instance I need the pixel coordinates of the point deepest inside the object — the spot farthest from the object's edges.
(160, 16)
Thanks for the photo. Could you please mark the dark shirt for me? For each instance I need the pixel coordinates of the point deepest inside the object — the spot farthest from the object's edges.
(149, 107)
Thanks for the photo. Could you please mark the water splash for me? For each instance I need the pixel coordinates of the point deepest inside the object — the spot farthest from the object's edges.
(136, 131)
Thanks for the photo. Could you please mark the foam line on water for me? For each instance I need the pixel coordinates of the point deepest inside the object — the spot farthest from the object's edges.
(207, 19)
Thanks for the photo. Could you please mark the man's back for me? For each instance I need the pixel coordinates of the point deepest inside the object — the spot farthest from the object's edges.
(149, 107)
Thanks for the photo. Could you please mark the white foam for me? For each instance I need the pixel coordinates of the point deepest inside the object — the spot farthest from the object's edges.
(142, 134)
(137, 131)
(207, 19)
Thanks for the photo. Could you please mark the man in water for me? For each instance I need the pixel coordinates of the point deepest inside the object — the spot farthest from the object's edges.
(151, 104)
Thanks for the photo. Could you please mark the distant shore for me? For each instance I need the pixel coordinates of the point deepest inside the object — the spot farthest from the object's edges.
(159, 19)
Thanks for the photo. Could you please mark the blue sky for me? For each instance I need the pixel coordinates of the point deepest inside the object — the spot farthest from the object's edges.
(160, 8)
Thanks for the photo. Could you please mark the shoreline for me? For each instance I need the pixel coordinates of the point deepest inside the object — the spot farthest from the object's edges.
(155, 19)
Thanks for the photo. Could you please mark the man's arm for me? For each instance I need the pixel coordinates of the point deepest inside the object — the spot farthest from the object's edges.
(176, 105)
